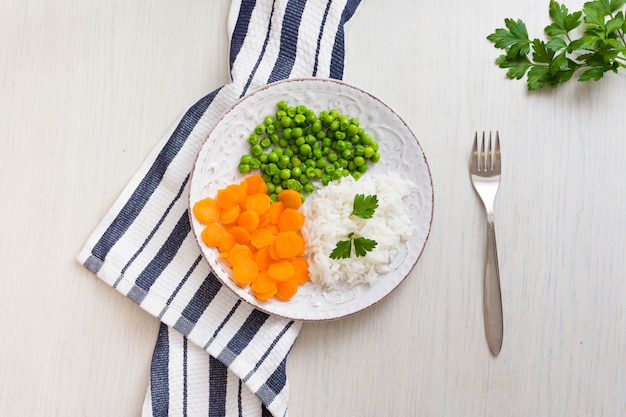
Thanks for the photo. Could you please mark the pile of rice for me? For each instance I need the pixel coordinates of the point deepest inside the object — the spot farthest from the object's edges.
(328, 221)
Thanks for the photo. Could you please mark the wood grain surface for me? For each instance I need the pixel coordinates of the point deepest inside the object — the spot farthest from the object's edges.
(88, 88)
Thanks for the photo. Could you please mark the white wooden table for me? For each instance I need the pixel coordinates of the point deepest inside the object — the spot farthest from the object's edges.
(86, 90)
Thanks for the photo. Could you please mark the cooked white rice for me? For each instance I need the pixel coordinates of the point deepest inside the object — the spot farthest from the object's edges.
(328, 221)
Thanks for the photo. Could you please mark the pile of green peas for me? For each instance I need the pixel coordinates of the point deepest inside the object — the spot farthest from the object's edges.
(295, 148)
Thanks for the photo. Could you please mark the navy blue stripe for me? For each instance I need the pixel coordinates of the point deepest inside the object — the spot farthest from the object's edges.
(202, 298)
(269, 349)
(159, 374)
(288, 41)
(152, 179)
(338, 54)
(265, 412)
(247, 331)
(277, 381)
(185, 377)
(319, 38)
(156, 227)
(166, 253)
(218, 374)
(239, 391)
(241, 29)
(262, 54)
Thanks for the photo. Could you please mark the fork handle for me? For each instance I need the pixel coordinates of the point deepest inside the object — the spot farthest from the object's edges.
(493, 298)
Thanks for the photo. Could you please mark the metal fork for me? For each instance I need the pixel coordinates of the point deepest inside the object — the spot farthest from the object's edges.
(485, 175)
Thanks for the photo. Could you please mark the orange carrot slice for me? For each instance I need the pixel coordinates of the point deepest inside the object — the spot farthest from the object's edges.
(230, 216)
(239, 252)
(245, 271)
(280, 270)
(275, 209)
(254, 184)
(249, 220)
(291, 199)
(206, 211)
(259, 203)
(213, 234)
(290, 219)
(289, 244)
(260, 238)
(226, 198)
(262, 258)
(226, 243)
(285, 290)
(241, 235)
(300, 270)
(263, 284)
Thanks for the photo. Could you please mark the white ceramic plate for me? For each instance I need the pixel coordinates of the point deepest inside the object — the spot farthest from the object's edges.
(217, 166)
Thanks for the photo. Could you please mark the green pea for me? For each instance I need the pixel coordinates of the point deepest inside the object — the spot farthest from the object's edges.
(244, 168)
(308, 188)
(265, 143)
(256, 150)
(305, 149)
(296, 171)
(255, 164)
(253, 139)
(296, 132)
(245, 159)
(359, 160)
(285, 174)
(282, 104)
(269, 120)
(375, 157)
(356, 175)
(299, 119)
(368, 152)
(260, 129)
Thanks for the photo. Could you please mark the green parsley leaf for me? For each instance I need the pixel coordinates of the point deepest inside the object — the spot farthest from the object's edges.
(363, 245)
(342, 250)
(601, 47)
(363, 206)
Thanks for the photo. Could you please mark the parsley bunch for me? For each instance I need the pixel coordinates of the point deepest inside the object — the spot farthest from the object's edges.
(363, 207)
(600, 48)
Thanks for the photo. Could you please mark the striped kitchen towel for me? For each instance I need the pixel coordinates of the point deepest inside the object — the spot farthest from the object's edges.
(215, 355)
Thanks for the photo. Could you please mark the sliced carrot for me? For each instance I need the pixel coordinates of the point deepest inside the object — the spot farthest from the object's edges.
(264, 296)
(262, 258)
(254, 184)
(286, 289)
(226, 243)
(226, 198)
(263, 283)
(289, 245)
(300, 270)
(272, 252)
(240, 193)
(291, 199)
(275, 209)
(241, 235)
(230, 216)
(260, 238)
(239, 252)
(258, 202)
(249, 220)
(280, 270)
(264, 219)
(245, 271)
(206, 211)
(213, 234)
(290, 219)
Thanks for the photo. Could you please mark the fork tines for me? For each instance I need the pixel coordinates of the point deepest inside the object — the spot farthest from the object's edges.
(488, 159)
